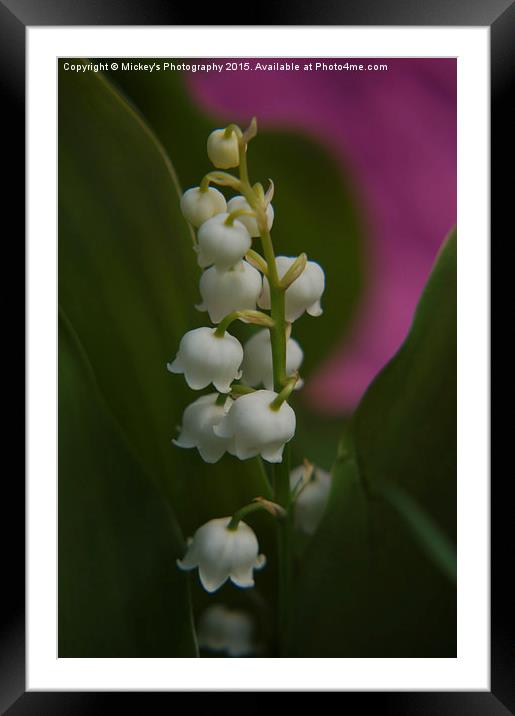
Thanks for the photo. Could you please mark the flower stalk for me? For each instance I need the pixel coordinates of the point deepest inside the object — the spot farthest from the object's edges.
(278, 338)
(257, 504)
(256, 317)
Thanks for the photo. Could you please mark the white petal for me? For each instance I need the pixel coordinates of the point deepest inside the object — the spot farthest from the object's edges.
(239, 202)
(223, 151)
(224, 428)
(243, 452)
(243, 578)
(203, 258)
(312, 498)
(221, 553)
(273, 453)
(185, 441)
(228, 630)
(198, 421)
(257, 366)
(315, 309)
(185, 565)
(211, 577)
(257, 428)
(304, 293)
(175, 366)
(196, 380)
(190, 559)
(211, 453)
(223, 386)
(221, 244)
(260, 562)
(206, 358)
(227, 290)
(199, 206)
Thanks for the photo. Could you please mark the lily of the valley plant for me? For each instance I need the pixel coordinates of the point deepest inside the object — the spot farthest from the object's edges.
(247, 412)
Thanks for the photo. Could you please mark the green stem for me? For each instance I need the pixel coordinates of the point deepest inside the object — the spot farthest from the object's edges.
(222, 179)
(284, 543)
(264, 477)
(225, 323)
(278, 343)
(282, 469)
(236, 213)
(257, 261)
(284, 394)
(244, 172)
(258, 318)
(238, 516)
(238, 389)
(277, 311)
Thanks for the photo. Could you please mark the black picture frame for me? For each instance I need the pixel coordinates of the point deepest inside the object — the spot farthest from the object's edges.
(499, 15)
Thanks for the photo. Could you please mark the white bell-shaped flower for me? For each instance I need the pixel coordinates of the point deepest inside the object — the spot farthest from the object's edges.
(226, 290)
(255, 428)
(197, 427)
(239, 202)
(222, 244)
(305, 292)
(223, 151)
(198, 206)
(206, 358)
(226, 630)
(221, 554)
(312, 486)
(257, 366)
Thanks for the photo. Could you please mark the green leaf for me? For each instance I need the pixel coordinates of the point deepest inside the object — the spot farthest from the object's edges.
(378, 578)
(315, 206)
(120, 593)
(316, 438)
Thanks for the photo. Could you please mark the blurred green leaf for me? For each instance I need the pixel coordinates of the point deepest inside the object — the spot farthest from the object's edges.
(316, 439)
(120, 593)
(315, 206)
(378, 578)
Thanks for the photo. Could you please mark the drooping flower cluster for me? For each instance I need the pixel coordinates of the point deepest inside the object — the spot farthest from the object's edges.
(249, 415)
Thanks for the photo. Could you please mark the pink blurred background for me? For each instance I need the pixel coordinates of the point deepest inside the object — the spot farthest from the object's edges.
(396, 132)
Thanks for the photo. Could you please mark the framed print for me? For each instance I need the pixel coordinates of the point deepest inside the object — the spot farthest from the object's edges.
(257, 367)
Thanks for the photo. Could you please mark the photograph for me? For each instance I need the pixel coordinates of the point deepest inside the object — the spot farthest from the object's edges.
(257, 357)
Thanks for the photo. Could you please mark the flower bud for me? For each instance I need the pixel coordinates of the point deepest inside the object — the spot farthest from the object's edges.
(257, 429)
(223, 151)
(221, 554)
(312, 486)
(205, 358)
(250, 222)
(222, 244)
(197, 427)
(225, 291)
(198, 206)
(257, 366)
(303, 294)
(226, 630)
